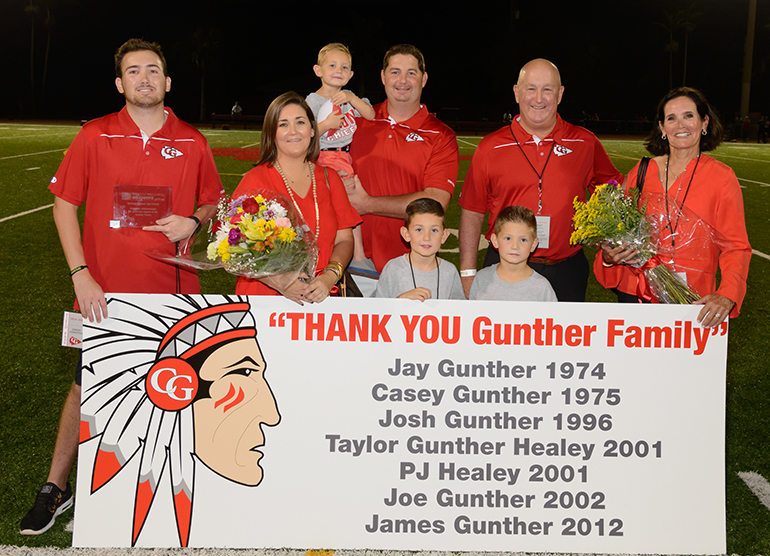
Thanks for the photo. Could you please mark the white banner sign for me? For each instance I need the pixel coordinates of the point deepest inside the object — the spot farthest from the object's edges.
(392, 424)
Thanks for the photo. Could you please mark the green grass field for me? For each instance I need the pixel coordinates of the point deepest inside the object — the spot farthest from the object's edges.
(37, 372)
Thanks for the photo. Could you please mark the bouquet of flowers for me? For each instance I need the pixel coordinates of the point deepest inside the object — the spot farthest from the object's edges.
(612, 216)
(256, 235)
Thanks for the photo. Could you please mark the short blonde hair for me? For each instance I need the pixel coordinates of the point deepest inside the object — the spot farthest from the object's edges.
(516, 214)
(331, 47)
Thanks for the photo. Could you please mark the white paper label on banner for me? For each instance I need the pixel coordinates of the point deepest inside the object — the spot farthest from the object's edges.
(72, 330)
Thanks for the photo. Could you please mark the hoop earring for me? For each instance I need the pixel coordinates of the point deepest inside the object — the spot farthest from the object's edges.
(704, 132)
(664, 137)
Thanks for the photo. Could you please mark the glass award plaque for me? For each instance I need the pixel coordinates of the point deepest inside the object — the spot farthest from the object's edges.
(136, 206)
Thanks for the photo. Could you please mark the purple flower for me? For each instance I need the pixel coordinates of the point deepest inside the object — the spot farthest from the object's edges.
(234, 237)
(235, 204)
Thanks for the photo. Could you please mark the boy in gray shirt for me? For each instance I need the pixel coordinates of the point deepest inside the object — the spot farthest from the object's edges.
(421, 274)
(512, 279)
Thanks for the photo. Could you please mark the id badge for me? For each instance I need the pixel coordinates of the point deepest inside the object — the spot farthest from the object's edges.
(543, 231)
(136, 206)
(72, 330)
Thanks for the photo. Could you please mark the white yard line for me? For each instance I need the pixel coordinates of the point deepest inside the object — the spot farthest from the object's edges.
(759, 183)
(37, 135)
(39, 126)
(760, 254)
(616, 155)
(25, 212)
(460, 140)
(32, 154)
(758, 485)
(483, 243)
(720, 155)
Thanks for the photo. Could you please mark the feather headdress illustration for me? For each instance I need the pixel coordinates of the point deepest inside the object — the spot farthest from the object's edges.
(172, 383)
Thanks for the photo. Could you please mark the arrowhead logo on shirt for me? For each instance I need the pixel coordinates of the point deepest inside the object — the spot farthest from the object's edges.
(413, 137)
(561, 150)
(170, 152)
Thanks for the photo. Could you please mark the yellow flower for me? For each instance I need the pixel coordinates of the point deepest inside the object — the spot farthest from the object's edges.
(222, 251)
(255, 231)
(286, 234)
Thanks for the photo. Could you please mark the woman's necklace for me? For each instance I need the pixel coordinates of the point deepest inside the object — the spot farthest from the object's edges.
(438, 273)
(681, 207)
(311, 167)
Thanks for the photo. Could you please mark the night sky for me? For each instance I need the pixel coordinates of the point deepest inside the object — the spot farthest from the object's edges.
(612, 55)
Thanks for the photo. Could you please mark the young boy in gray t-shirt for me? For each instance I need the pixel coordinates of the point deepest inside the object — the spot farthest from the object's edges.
(512, 279)
(421, 274)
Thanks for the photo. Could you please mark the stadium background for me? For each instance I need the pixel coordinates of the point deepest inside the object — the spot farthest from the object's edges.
(616, 60)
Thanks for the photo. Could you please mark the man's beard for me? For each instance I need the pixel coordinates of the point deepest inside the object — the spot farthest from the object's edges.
(146, 101)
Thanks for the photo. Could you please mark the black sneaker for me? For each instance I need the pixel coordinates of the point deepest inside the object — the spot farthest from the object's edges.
(49, 503)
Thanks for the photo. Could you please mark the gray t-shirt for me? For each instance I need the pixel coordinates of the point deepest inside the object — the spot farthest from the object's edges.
(488, 285)
(334, 139)
(396, 278)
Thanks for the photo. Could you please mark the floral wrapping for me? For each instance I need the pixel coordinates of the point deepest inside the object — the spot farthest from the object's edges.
(256, 235)
(612, 216)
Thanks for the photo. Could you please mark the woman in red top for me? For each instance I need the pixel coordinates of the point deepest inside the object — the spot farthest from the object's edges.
(701, 186)
(289, 149)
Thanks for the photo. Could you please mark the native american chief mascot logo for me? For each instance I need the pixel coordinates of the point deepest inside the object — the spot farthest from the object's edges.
(172, 383)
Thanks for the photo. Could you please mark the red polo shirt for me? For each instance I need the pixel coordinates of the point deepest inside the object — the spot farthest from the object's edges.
(500, 176)
(395, 159)
(109, 151)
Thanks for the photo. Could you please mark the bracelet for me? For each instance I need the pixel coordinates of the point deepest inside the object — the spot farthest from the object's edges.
(605, 265)
(197, 222)
(468, 272)
(78, 269)
(336, 268)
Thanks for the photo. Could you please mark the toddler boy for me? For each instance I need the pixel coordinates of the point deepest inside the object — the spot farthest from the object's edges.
(335, 110)
(421, 274)
(512, 279)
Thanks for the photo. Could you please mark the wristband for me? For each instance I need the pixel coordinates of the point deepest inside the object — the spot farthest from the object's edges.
(468, 272)
(197, 222)
(78, 269)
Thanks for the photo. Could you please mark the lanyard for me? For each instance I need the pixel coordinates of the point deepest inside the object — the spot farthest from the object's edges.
(540, 174)
(681, 207)
(438, 273)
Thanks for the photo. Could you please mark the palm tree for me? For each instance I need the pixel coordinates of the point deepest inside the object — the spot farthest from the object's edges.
(748, 54)
(203, 45)
(688, 18)
(672, 22)
(33, 11)
(48, 23)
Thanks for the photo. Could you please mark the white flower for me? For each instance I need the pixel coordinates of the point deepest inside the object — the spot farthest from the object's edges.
(223, 233)
(277, 209)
